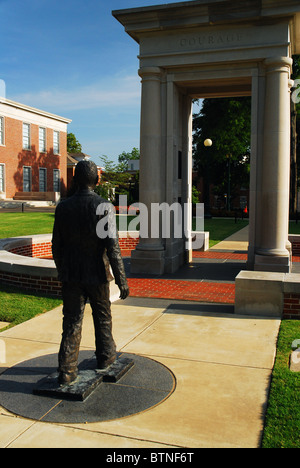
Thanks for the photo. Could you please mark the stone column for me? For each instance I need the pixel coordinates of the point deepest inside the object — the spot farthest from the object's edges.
(187, 170)
(149, 254)
(271, 253)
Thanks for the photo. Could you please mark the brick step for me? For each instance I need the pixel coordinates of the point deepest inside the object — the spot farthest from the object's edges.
(35, 196)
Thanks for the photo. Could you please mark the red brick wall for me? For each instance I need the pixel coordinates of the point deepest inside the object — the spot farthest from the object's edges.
(70, 175)
(46, 285)
(296, 248)
(62, 163)
(49, 286)
(14, 158)
(43, 250)
(9, 154)
(128, 243)
(291, 309)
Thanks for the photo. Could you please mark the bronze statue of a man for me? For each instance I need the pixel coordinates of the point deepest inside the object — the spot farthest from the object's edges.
(83, 261)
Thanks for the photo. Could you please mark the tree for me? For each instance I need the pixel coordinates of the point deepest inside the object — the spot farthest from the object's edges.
(73, 145)
(227, 122)
(124, 157)
(116, 178)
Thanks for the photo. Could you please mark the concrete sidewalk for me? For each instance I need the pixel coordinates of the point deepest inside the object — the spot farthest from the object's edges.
(222, 365)
(237, 242)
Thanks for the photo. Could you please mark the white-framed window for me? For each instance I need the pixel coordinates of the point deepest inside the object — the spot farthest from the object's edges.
(42, 139)
(2, 178)
(27, 179)
(56, 142)
(26, 136)
(2, 140)
(56, 180)
(43, 179)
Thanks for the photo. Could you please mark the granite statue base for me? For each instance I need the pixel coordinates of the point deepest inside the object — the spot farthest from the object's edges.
(89, 378)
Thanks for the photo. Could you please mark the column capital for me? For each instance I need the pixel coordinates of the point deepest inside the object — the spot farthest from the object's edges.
(278, 64)
(153, 73)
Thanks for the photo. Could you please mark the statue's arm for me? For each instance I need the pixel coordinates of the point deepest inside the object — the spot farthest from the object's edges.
(57, 246)
(115, 258)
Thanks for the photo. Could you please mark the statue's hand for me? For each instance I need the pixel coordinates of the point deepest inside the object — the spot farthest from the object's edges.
(124, 292)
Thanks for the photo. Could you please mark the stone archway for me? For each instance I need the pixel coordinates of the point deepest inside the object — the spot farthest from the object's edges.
(209, 48)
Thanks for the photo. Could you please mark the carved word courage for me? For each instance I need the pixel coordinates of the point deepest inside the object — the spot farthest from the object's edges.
(211, 40)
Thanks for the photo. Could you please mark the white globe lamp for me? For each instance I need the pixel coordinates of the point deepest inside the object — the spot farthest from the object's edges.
(208, 142)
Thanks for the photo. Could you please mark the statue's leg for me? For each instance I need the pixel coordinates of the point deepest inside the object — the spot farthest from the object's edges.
(74, 301)
(101, 307)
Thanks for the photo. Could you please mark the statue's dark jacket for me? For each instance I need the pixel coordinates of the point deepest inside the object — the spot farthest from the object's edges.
(79, 254)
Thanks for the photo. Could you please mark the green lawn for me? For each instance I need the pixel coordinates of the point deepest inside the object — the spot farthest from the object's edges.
(19, 306)
(294, 227)
(219, 228)
(282, 425)
(25, 224)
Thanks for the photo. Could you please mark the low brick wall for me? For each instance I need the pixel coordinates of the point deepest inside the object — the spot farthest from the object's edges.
(295, 241)
(128, 240)
(26, 262)
(291, 306)
(42, 250)
(35, 248)
(23, 264)
(41, 284)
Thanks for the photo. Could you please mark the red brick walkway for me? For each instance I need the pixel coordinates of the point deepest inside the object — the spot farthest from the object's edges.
(199, 291)
(220, 255)
(182, 290)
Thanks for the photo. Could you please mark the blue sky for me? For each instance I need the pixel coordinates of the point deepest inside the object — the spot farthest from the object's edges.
(74, 59)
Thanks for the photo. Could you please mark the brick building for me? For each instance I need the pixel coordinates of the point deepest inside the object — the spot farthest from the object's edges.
(72, 160)
(33, 153)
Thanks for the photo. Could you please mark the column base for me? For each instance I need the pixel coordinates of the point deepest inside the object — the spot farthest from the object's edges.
(173, 263)
(280, 264)
(148, 262)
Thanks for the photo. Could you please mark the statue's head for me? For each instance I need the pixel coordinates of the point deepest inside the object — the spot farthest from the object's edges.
(86, 174)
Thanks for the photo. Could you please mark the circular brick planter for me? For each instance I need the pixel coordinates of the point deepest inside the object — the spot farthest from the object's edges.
(26, 262)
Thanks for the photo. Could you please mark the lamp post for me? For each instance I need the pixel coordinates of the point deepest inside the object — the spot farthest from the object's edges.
(207, 143)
